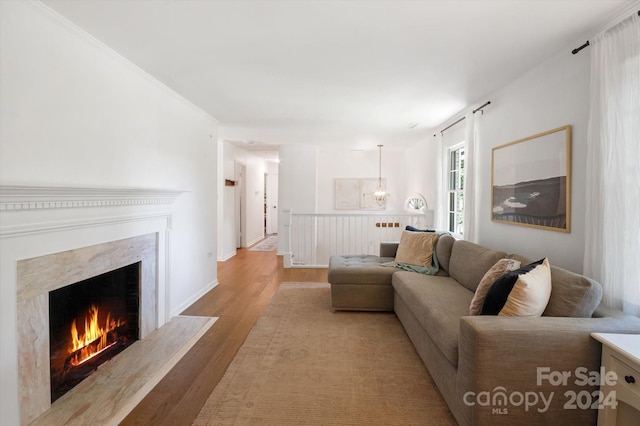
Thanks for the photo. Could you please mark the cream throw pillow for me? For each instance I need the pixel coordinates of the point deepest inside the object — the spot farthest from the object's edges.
(501, 267)
(416, 248)
(530, 293)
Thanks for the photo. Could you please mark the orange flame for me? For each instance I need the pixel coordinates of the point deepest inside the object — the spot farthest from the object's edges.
(87, 345)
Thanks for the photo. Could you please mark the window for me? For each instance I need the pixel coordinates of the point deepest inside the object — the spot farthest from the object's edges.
(456, 190)
(455, 155)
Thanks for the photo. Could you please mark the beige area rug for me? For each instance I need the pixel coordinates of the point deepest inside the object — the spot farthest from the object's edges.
(268, 244)
(303, 364)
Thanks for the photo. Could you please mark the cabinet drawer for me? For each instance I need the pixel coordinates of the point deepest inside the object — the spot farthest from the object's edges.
(628, 377)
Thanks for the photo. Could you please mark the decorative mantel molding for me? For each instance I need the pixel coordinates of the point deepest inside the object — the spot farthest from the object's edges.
(41, 197)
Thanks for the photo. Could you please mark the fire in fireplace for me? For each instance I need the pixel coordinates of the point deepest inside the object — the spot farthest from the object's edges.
(89, 323)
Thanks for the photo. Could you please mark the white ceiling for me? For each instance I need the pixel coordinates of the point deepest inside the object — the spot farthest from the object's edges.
(345, 72)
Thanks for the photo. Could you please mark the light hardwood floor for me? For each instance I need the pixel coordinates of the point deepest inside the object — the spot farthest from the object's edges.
(246, 284)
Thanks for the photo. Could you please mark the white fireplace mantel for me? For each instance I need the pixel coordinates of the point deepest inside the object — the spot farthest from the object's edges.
(15, 197)
(40, 221)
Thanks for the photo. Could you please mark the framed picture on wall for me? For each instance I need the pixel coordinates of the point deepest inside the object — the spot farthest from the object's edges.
(531, 181)
(357, 194)
(347, 194)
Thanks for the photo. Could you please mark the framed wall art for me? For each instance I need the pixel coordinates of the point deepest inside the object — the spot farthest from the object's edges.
(357, 194)
(531, 181)
(347, 194)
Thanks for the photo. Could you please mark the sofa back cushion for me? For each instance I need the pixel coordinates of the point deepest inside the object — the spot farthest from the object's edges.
(443, 251)
(469, 262)
(572, 295)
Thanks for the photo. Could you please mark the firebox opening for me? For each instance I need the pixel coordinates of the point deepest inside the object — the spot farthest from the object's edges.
(89, 323)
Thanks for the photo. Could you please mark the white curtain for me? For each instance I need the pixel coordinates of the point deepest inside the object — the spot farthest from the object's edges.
(612, 234)
(440, 213)
(470, 178)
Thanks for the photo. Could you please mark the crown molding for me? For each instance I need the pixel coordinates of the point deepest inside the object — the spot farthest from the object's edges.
(14, 198)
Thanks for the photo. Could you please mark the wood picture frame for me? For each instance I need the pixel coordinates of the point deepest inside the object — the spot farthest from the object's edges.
(531, 181)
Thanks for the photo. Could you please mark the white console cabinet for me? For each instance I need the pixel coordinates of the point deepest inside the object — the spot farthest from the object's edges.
(620, 354)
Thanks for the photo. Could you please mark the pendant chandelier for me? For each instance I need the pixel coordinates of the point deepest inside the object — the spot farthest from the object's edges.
(380, 194)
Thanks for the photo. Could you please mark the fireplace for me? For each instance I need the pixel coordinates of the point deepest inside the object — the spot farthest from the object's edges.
(53, 237)
(90, 322)
(134, 259)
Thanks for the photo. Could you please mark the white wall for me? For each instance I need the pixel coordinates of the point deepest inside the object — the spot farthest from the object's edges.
(74, 113)
(297, 178)
(552, 95)
(421, 166)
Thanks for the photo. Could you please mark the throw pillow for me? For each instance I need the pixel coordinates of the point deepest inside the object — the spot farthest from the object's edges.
(530, 293)
(501, 267)
(411, 228)
(416, 248)
(498, 294)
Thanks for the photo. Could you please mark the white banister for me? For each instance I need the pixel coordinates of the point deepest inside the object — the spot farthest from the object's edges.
(314, 237)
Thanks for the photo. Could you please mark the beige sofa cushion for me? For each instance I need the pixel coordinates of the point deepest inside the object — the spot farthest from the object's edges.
(437, 303)
(572, 295)
(469, 262)
(360, 269)
(443, 251)
(416, 248)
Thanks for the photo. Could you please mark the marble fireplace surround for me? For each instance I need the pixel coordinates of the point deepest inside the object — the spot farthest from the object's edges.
(38, 276)
(51, 237)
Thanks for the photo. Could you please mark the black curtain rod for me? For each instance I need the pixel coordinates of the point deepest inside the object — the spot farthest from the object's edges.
(452, 124)
(577, 49)
(462, 118)
(481, 106)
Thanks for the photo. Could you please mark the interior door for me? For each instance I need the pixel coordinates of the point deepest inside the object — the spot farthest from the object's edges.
(240, 222)
(272, 203)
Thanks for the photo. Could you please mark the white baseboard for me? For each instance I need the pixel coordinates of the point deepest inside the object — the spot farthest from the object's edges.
(227, 256)
(257, 240)
(177, 311)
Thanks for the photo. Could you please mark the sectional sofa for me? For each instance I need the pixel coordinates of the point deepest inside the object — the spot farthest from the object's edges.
(490, 369)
